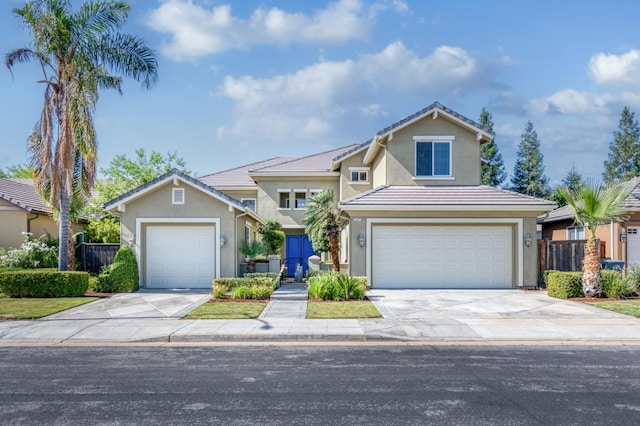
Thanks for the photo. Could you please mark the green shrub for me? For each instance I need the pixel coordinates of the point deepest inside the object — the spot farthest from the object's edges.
(44, 283)
(33, 253)
(564, 285)
(271, 275)
(232, 283)
(122, 275)
(615, 285)
(261, 292)
(332, 286)
(241, 292)
(633, 277)
(312, 273)
(220, 291)
(545, 277)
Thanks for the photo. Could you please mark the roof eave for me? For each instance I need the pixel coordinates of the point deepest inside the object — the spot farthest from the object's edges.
(446, 207)
(294, 173)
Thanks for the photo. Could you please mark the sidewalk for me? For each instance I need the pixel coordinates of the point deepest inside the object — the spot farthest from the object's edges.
(469, 319)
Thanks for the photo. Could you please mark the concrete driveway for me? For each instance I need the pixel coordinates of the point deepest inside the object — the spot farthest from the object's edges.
(492, 315)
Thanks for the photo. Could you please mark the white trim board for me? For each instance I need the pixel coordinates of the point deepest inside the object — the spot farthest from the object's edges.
(518, 235)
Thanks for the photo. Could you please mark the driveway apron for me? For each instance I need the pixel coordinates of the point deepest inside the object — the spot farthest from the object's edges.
(141, 304)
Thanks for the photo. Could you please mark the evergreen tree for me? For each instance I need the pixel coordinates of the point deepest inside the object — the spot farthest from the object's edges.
(624, 152)
(528, 173)
(493, 172)
(573, 180)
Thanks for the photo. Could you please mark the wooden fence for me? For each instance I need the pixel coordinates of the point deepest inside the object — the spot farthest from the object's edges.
(563, 255)
(93, 256)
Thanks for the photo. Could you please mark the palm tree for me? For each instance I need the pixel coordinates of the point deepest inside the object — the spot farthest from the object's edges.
(77, 52)
(322, 222)
(594, 203)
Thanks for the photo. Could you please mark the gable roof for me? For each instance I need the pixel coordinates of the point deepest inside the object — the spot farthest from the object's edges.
(321, 163)
(419, 197)
(195, 183)
(238, 177)
(347, 154)
(22, 194)
(435, 109)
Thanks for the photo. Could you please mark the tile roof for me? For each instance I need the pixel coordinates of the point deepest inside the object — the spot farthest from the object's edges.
(321, 162)
(432, 196)
(239, 176)
(23, 194)
(352, 150)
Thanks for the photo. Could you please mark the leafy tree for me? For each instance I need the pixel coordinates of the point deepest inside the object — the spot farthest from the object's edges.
(624, 152)
(573, 180)
(493, 172)
(19, 171)
(123, 175)
(528, 173)
(595, 204)
(76, 51)
(272, 236)
(322, 222)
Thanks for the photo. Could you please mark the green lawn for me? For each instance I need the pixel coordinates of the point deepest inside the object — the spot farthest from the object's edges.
(627, 307)
(29, 308)
(339, 310)
(227, 310)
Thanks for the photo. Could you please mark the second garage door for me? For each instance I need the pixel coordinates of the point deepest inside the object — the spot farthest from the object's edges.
(421, 256)
(180, 256)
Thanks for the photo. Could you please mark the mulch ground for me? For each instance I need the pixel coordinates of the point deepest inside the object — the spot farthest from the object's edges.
(91, 293)
(237, 300)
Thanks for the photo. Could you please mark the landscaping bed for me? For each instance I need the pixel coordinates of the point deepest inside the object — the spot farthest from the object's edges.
(228, 309)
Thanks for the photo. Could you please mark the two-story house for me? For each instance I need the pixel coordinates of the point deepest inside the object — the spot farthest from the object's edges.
(416, 214)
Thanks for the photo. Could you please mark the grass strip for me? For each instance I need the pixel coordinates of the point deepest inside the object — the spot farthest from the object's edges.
(342, 310)
(30, 308)
(626, 307)
(227, 310)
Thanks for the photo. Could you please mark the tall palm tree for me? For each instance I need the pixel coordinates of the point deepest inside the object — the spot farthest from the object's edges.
(77, 52)
(321, 222)
(593, 204)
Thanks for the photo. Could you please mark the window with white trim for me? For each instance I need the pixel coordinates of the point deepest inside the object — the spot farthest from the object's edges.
(177, 196)
(284, 200)
(249, 202)
(433, 156)
(359, 175)
(300, 200)
(247, 233)
(575, 233)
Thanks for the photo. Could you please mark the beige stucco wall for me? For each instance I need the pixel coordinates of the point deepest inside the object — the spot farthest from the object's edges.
(465, 153)
(350, 189)
(557, 231)
(269, 197)
(241, 194)
(379, 168)
(358, 221)
(157, 204)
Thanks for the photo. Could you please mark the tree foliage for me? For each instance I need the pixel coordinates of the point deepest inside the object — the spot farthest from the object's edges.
(272, 236)
(573, 180)
(79, 53)
(528, 173)
(493, 171)
(595, 204)
(322, 224)
(18, 171)
(623, 162)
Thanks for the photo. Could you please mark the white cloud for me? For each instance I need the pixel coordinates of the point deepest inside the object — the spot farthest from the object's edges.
(576, 102)
(196, 31)
(618, 70)
(316, 101)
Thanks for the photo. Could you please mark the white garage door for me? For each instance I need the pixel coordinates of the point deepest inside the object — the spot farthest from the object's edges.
(422, 256)
(180, 256)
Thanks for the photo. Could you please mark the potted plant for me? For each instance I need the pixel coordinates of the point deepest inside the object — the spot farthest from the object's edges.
(251, 251)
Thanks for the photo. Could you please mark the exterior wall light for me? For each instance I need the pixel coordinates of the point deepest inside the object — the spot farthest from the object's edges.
(361, 240)
(223, 240)
(623, 237)
(527, 239)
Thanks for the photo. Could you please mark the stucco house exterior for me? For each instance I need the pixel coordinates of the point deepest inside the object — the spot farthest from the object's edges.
(23, 210)
(415, 213)
(621, 240)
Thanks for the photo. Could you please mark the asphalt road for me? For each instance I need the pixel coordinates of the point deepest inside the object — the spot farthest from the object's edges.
(369, 385)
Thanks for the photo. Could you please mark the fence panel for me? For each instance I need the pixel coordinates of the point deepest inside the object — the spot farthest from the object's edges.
(562, 255)
(93, 256)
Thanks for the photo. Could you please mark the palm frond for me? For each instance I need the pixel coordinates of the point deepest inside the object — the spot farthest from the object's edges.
(99, 17)
(127, 55)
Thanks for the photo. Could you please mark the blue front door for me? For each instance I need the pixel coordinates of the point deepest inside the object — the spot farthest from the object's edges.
(298, 250)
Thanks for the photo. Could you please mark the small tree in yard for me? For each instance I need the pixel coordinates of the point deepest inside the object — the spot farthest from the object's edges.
(594, 204)
(321, 222)
(272, 236)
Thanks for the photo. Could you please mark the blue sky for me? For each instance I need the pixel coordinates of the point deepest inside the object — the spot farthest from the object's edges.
(241, 81)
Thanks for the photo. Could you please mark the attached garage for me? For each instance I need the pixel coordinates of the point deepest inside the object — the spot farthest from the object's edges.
(442, 256)
(180, 256)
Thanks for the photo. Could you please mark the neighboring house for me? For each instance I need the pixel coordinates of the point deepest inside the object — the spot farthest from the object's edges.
(620, 240)
(416, 214)
(23, 210)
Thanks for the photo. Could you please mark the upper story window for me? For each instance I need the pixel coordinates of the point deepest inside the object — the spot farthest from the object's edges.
(575, 233)
(249, 202)
(177, 196)
(300, 199)
(359, 174)
(285, 202)
(433, 156)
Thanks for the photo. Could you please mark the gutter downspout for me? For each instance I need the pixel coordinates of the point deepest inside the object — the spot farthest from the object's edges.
(235, 242)
(29, 221)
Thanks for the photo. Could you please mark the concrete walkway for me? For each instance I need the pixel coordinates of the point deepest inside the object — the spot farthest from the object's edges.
(287, 302)
(444, 317)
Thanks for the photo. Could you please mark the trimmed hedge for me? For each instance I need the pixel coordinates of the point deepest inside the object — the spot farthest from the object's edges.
(122, 275)
(271, 275)
(564, 285)
(44, 283)
(232, 283)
